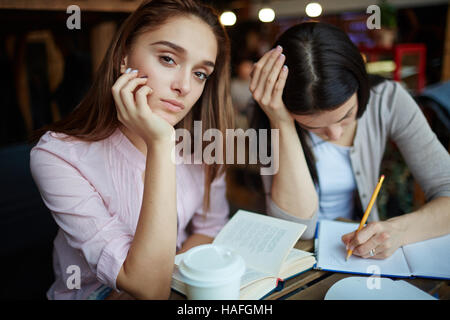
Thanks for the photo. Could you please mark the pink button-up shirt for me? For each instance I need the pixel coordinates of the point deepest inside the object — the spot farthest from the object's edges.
(94, 192)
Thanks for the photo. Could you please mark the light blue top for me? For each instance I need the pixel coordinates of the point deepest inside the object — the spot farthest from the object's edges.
(391, 114)
(337, 183)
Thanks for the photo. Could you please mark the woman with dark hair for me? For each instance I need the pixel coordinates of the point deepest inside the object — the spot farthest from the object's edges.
(333, 128)
(124, 207)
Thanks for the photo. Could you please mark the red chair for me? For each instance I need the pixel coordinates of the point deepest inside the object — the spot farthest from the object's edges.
(398, 53)
(411, 49)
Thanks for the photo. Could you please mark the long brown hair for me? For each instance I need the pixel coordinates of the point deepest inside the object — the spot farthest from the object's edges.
(95, 117)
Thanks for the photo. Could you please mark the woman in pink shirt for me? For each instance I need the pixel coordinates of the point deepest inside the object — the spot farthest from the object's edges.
(123, 206)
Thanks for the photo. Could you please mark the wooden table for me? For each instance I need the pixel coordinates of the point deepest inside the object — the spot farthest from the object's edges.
(314, 284)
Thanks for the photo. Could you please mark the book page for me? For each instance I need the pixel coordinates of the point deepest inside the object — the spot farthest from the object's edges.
(296, 262)
(331, 253)
(429, 258)
(258, 290)
(296, 254)
(251, 275)
(263, 241)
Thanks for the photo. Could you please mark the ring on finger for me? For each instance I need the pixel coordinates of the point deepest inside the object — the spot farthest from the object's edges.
(372, 252)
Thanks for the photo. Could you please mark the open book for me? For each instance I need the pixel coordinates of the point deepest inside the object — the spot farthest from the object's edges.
(425, 259)
(266, 244)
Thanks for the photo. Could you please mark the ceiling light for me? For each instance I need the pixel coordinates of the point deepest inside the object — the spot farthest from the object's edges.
(266, 15)
(313, 9)
(228, 18)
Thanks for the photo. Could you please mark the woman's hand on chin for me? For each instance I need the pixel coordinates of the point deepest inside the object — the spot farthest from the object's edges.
(130, 96)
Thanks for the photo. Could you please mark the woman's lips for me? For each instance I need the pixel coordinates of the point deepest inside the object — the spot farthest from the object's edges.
(173, 105)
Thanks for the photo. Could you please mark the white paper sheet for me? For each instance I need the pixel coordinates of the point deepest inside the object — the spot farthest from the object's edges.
(429, 258)
(264, 242)
(332, 253)
(358, 288)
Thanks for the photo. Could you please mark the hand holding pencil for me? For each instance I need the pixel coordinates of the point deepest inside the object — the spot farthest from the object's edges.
(346, 238)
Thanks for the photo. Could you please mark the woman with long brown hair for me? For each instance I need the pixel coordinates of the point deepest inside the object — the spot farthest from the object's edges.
(106, 172)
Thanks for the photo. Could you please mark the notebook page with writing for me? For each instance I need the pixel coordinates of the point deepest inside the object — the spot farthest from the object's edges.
(429, 258)
(331, 253)
(263, 241)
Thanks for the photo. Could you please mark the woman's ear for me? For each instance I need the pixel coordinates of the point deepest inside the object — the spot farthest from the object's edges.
(124, 64)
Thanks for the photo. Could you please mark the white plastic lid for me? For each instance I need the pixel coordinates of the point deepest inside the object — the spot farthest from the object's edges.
(210, 263)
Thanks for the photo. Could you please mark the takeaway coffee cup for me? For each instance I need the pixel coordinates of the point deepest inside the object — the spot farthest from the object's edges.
(212, 272)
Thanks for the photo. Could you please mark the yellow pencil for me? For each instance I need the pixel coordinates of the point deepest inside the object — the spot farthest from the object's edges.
(369, 208)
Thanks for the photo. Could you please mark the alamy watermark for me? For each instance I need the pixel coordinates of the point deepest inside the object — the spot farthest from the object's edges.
(213, 152)
(74, 280)
(374, 21)
(74, 20)
(374, 281)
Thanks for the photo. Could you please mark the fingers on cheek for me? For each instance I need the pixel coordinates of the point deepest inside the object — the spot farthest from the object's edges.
(142, 97)
(139, 86)
(144, 90)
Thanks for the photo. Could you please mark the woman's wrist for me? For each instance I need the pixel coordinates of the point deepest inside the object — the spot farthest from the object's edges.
(283, 125)
(401, 224)
(167, 142)
(429, 221)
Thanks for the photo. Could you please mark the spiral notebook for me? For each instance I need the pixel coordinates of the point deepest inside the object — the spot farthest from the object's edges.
(425, 259)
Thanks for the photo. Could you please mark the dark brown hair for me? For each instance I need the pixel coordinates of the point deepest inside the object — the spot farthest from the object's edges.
(325, 70)
(95, 117)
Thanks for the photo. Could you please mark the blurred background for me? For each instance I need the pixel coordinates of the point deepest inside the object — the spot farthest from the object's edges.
(47, 68)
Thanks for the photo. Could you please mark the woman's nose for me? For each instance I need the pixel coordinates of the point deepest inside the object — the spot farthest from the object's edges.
(182, 82)
(334, 132)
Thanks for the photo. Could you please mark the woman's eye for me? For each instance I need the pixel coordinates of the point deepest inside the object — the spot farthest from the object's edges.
(202, 76)
(168, 60)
